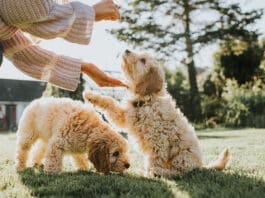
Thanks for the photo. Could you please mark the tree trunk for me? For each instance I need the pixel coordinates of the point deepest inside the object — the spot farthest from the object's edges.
(195, 110)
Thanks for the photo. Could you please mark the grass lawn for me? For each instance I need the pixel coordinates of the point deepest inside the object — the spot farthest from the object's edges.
(245, 176)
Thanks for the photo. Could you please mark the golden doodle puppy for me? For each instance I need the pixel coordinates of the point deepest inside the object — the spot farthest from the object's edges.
(151, 116)
(64, 126)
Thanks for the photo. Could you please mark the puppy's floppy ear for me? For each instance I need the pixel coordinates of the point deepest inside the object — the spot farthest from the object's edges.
(150, 83)
(99, 156)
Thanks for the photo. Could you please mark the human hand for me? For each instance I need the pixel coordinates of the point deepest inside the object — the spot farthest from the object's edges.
(106, 10)
(100, 77)
(111, 82)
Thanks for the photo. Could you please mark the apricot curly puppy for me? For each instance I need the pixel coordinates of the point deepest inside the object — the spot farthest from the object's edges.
(151, 116)
(66, 126)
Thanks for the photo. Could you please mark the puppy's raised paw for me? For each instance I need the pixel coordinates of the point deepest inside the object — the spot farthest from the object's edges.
(90, 97)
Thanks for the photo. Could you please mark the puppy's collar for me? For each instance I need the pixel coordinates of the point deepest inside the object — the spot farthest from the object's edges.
(141, 102)
(138, 103)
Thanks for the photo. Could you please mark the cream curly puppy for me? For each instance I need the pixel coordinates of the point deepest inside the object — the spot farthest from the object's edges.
(151, 116)
(65, 126)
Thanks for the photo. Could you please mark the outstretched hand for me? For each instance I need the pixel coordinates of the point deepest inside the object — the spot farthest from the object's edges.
(106, 10)
(100, 77)
(112, 82)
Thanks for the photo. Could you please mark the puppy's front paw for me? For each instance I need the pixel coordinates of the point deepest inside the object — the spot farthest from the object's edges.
(20, 165)
(90, 97)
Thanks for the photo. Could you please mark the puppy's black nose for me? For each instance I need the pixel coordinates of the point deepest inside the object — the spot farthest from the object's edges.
(127, 165)
(127, 51)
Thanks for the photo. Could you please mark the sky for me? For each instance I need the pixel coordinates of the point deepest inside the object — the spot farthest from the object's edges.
(105, 51)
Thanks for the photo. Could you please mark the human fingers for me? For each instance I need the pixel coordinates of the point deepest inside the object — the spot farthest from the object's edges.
(115, 10)
(112, 82)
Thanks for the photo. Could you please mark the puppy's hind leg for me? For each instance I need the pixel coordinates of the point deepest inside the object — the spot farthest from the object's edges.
(38, 153)
(81, 161)
(25, 140)
(53, 157)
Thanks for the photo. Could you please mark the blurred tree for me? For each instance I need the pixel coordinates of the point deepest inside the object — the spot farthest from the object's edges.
(240, 60)
(169, 26)
(177, 86)
(209, 87)
(260, 74)
(60, 93)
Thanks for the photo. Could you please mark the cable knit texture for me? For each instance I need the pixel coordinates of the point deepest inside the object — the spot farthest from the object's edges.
(45, 19)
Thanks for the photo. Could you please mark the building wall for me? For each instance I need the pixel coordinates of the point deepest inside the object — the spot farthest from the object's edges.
(20, 108)
(2, 117)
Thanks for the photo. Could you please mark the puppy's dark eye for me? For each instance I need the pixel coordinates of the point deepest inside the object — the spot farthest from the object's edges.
(143, 60)
(116, 154)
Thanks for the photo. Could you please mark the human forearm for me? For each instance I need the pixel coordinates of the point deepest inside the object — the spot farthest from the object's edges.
(42, 64)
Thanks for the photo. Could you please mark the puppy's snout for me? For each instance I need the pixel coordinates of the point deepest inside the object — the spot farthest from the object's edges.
(127, 51)
(127, 165)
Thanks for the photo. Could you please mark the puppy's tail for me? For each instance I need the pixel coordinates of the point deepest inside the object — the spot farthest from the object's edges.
(221, 162)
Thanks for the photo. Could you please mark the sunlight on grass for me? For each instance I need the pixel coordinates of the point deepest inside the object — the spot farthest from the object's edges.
(243, 178)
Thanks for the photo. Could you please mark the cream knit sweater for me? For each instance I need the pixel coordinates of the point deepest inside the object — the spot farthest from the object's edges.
(45, 19)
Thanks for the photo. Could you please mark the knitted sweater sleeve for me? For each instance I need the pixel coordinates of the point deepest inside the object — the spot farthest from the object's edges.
(42, 64)
(47, 19)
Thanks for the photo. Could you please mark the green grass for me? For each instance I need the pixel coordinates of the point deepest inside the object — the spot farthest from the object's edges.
(244, 177)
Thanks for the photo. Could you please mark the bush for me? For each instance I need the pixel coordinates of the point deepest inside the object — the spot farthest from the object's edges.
(209, 87)
(177, 86)
(213, 109)
(236, 113)
(246, 105)
(223, 101)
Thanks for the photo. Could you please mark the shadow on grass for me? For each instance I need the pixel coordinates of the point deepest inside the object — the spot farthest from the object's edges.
(201, 137)
(198, 184)
(219, 129)
(212, 183)
(90, 184)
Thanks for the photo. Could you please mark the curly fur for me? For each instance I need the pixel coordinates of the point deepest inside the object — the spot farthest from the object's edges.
(151, 116)
(64, 126)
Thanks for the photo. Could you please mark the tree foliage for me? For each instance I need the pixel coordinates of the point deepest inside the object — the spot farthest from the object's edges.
(160, 24)
(170, 27)
(240, 60)
(177, 86)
